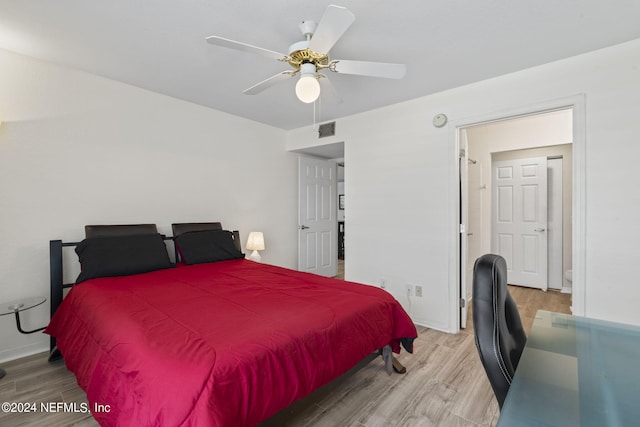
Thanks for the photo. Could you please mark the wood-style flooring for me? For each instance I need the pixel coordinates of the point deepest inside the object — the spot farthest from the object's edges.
(445, 385)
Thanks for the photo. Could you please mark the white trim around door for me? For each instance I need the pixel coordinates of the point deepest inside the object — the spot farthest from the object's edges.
(578, 104)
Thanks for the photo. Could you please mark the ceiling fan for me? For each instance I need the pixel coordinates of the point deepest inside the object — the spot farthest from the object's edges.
(311, 56)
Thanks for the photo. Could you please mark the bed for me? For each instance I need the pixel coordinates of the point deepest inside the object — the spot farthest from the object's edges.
(222, 341)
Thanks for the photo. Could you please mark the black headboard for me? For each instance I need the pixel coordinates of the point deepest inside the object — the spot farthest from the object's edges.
(119, 230)
(186, 227)
(57, 285)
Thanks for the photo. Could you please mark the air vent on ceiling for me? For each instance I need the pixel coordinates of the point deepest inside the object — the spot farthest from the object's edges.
(327, 129)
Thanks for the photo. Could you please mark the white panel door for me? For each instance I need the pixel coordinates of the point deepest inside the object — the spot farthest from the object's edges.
(519, 219)
(317, 223)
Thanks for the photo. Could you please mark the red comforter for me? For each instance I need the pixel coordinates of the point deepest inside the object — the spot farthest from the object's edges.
(219, 344)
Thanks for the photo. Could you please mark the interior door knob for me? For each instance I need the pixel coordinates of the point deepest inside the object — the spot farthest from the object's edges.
(303, 227)
(539, 229)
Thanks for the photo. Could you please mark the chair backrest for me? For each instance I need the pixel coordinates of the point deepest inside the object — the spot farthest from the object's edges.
(498, 330)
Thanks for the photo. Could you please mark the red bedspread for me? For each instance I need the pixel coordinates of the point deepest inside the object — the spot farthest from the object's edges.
(219, 344)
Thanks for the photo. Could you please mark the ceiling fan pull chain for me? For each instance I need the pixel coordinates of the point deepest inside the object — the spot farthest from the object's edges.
(317, 112)
(317, 115)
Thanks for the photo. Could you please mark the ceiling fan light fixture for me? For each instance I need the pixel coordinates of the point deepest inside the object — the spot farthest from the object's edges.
(308, 87)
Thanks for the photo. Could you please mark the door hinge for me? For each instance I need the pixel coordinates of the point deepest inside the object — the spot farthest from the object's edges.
(462, 228)
(463, 302)
(462, 153)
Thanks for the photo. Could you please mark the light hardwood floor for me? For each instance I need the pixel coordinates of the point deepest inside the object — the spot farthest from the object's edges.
(445, 385)
(340, 269)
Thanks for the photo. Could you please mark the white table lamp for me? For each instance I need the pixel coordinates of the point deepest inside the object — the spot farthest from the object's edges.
(255, 243)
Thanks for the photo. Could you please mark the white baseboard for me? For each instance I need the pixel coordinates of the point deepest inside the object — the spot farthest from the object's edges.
(24, 351)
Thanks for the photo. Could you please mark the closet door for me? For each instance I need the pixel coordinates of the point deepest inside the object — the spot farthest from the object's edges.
(519, 219)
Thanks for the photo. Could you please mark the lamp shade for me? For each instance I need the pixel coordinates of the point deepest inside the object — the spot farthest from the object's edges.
(255, 242)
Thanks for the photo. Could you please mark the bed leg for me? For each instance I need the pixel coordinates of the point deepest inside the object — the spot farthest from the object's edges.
(390, 362)
(54, 354)
(387, 356)
(397, 366)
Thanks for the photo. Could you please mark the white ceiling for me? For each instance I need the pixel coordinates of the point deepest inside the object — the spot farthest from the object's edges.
(160, 45)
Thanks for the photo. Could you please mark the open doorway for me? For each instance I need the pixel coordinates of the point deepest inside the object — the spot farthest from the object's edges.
(334, 152)
(534, 210)
(342, 237)
(475, 164)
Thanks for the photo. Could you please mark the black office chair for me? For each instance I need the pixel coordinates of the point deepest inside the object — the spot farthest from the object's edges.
(498, 330)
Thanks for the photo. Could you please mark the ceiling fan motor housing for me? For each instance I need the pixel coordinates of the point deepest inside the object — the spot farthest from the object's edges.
(300, 54)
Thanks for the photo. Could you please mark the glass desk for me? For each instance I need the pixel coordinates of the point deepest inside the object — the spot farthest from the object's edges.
(576, 371)
(15, 307)
(20, 305)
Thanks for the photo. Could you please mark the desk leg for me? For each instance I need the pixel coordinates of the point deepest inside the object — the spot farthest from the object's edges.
(20, 326)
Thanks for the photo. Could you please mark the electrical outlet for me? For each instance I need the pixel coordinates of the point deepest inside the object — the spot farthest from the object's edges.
(409, 290)
(419, 291)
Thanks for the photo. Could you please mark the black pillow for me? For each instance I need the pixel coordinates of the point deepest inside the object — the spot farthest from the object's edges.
(109, 256)
(196, 247)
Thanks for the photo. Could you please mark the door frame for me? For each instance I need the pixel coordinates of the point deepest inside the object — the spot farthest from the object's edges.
(556, 226)
(463, 172)
(578, 104)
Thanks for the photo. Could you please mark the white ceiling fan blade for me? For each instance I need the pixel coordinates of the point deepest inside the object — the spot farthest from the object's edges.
(335, 21)
(232, 44)
(372, 69)
(329, 90)
(265, 84)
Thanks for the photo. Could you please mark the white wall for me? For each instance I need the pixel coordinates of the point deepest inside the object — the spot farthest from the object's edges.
(400, 202)
(77, 149)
